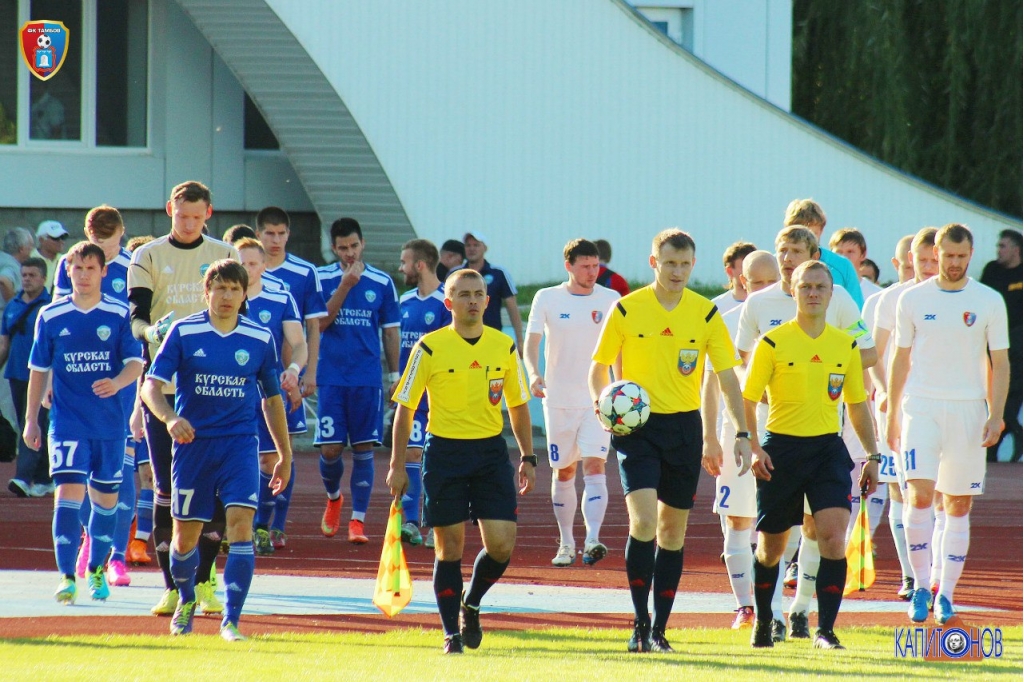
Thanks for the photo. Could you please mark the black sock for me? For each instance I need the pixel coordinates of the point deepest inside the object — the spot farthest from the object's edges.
(765, 579)
(208, 551)
(486, 572)
(668, 568)
(162, 542)
(831, 581)
(639, 573)
(448, 593)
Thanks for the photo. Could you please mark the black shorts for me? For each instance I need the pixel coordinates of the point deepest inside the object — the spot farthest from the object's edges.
(665, 455)
(467, 479)
(816, 466)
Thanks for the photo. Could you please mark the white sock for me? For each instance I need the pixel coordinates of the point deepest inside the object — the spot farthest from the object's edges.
(595, 502)
(792, 546)
(876, 505)
(808, 562)
(722, 521)
(956, 538)
(936, 571)
(563, 499)
(777, 609)
(899, 536)
(918, 528)
(739, 561)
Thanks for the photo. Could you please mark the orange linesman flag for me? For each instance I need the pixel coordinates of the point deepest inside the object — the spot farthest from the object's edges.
(860, 563)
(394, 583)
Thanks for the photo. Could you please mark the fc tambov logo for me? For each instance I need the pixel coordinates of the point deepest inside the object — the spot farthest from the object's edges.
(44, 46)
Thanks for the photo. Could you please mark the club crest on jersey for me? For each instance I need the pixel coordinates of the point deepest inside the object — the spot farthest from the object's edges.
(835, 385)
(264, 316)
(203, 268)
(371, 296)
(687, 361)
(103, 332)
(241, 356)
(118, 285)
(494, 390)
(596, 316)
(488, 279)
(970, 319)
(429, 318)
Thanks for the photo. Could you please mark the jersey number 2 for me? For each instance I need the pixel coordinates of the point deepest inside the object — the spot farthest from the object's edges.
(723, 501)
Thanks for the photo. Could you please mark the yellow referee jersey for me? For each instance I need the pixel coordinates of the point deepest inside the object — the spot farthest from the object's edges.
(805, 378)
(464, 382)
(665, 350)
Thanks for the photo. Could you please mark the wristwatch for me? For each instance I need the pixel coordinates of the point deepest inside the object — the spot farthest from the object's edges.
(532, 459)
(877, 457)
(743, 434)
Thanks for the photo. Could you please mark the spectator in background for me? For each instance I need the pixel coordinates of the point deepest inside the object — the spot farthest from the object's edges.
(50, 241)
(18, 245)
(809, 214)
(238, 232)
(452, 257)
(1006, 275)
(501, 290)
(608, 277)
(869, 270)
(849, 243)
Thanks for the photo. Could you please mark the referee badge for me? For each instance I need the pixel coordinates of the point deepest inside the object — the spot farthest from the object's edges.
(687, 361)
(835, 385)
(494, 390)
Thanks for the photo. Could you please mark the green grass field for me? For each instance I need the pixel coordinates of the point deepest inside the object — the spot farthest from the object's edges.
(414, 655)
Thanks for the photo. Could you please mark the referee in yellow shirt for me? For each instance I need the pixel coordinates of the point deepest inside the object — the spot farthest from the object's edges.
(806, 365)
(465, 369)
(663, 334)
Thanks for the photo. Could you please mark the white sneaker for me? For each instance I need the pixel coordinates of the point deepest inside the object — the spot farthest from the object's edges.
(428, 541)
(593, 551)
(565, 557)
(41, 489)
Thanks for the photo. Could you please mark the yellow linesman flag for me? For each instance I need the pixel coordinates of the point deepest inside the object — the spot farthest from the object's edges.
(394, 583)
(860, 562)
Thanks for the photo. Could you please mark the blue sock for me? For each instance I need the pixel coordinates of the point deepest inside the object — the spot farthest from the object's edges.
(85, 513)
(283, 501)
(101, 534)
(411, 498)
(238, 570)
(183, 570)
(361, 482)
(265, 508)
(67, 535)
(125, 510)
(331, 473)
(144, 514)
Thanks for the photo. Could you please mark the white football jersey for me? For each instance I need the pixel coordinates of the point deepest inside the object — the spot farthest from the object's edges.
(726, 302)
(571, 326)
(885, 313)
(868, 288)
(949, 334)
(770, 307)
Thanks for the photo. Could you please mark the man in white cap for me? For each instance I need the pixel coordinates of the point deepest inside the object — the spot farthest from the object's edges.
(50, 242)
(500, 287)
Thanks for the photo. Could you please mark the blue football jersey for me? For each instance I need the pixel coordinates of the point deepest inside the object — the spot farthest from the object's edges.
(115, 282)
(271, 309)
(420, 316)
(82, 347)
(217, 374)
(350, 346)
(301, 280)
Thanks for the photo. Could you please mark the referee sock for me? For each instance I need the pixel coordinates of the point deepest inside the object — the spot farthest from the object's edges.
(595, 503)
(765, 580)
(738, 561)
(144, 515)
(639, 572)
(831, 580)
(282, 503)
(361, 482)
(936, 569)
(411, 498)
(668, 569)
(101, 534)
(899, 536)
(919, 533)
(448, 593)
(67, 534)
(486, 572)
(183, 568)
(808, 562)
(265, 506)
(125, 509)
(876, 505)
(330, 473)
(238, 570)
(563, 500)
(956, 538)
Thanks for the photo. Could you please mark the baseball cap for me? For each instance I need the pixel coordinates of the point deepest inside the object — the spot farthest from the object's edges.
(51, 229)
(479, 236)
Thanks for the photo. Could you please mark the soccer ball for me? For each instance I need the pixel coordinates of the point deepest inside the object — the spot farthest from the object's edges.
(624, 407)
(43, 41)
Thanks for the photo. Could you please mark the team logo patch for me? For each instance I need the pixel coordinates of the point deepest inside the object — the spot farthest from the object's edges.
(835, 385)
(494, 390)
(264, 316)
(687, 361)
(241, 356)
(203, 268)
(103, 332)
(488, 279)
(118, 285)
(44, 46)
(970, 319)
(429, 318)
(596, 316)
(371, 296)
